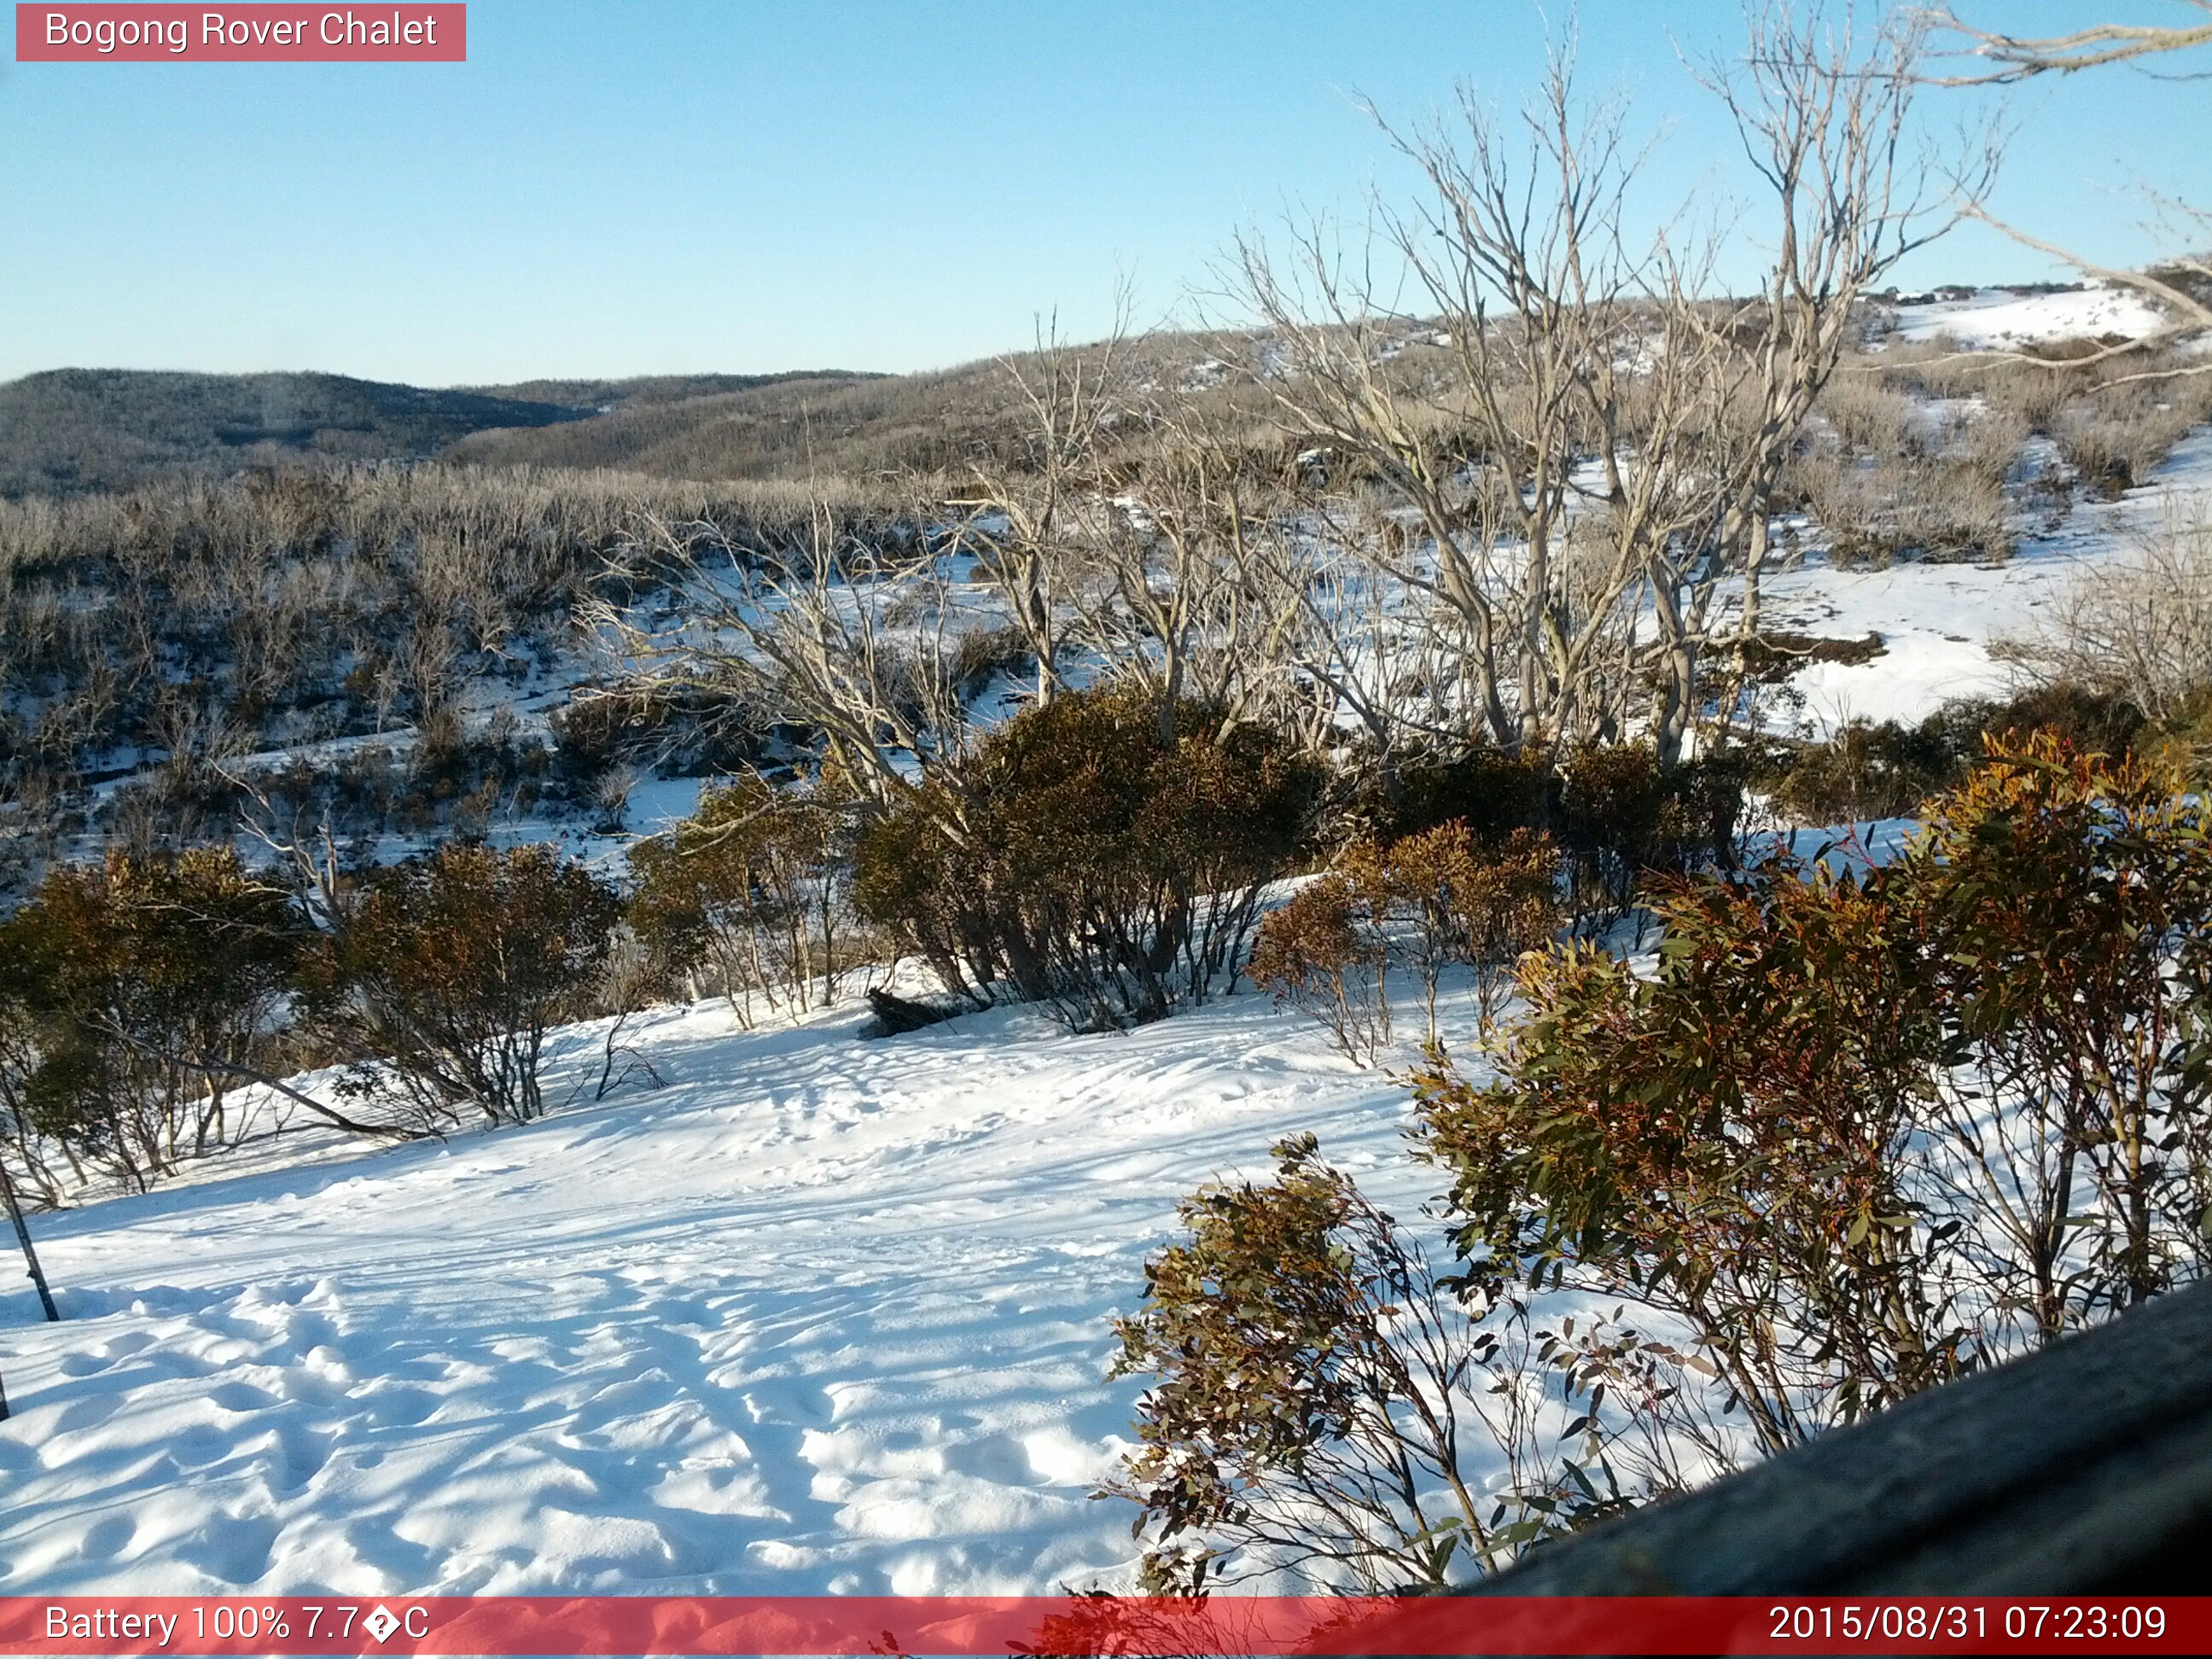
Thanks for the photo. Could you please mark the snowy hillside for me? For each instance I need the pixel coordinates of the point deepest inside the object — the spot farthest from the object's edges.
(812, 1315)
(816, 1315)
(1937, 622)
(1990, 319)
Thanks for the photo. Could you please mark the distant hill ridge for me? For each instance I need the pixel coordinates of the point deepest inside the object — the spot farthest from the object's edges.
(72, 430)
(643, 390)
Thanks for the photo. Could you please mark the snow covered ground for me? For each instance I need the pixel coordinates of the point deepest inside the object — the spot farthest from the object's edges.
(818, 1315)
(1999, 317)
(1938, 621)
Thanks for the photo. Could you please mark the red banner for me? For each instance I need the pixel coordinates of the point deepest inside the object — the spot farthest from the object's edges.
(167, 33)
(1139, 1627)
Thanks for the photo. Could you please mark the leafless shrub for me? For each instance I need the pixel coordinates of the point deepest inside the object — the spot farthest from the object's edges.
(1324, 954)
(1880, 508)
(982, 654)
(2141, 628)
(2115, 439)
(1868, 417)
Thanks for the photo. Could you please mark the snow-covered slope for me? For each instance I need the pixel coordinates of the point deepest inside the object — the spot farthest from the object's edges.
(1995, 318)
(818, 1315)
(815, 1314)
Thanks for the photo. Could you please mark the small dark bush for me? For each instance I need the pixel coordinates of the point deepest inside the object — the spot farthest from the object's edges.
(1492, 792)
(1621, 818)
(1867, 771)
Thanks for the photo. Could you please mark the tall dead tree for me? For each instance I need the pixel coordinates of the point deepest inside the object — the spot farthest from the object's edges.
(1589, 438)
(1473, 387)
(1823, 110)
(1029, 509)
(1177, 589)
(851, 639)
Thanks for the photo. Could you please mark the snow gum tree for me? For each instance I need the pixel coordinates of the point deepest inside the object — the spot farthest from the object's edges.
(1582, 438)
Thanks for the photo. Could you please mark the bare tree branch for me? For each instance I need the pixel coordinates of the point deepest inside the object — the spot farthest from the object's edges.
(2013, 58)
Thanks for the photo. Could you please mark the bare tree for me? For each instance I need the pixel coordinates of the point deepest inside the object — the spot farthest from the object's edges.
(1823, 110)
(1591, 446)
(1478, 414)
(1364, 664)
(850, 642)
(1180, 591)
(1026, 512)
(1548, 420)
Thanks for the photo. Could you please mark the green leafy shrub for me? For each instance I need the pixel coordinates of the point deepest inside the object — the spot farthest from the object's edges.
(1324, 953)
(1858, 1133)
(1084, 859)
(749, 891)
(441, 978)
(139, 992)
(1452, 899)
(1319, 1386)
(1862, 1131)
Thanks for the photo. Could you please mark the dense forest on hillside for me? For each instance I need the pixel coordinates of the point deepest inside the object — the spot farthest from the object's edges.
(81, 428)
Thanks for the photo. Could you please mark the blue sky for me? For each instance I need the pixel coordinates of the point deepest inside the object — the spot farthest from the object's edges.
(661, 186)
